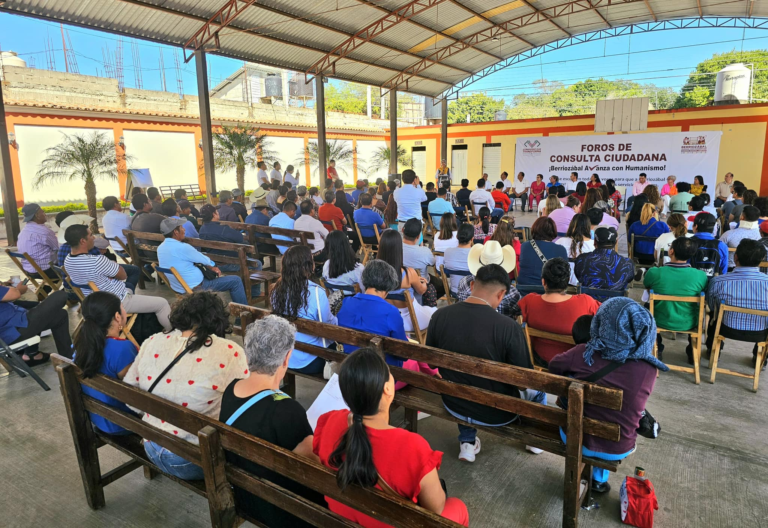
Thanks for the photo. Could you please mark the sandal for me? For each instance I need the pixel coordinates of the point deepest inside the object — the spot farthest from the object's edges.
(34, 362)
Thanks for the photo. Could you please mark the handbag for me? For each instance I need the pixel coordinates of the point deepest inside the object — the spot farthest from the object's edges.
(208, 273)
(429, 297)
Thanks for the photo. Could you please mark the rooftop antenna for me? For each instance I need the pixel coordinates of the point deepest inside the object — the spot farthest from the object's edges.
(70, 61)
(179, 80)
(49, 55)
(162, 71)
(119, 65)
(109, 67)
(135, 53)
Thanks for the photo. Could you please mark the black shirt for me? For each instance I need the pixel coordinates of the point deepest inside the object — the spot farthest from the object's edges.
(240, 210)
(281, 421)
(478, 331)
(385, 196)
(462, 196)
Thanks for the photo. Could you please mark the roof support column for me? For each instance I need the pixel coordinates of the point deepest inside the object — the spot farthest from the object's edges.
(6, 180)
(444, 130)
(322, 163)
(393, 134)
(205, 125)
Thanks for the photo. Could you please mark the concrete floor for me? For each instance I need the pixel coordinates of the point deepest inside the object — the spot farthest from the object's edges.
(707, 466)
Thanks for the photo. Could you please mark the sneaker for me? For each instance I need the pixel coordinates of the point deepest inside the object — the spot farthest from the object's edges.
(534, 450)
(327, 370)
(468, 451)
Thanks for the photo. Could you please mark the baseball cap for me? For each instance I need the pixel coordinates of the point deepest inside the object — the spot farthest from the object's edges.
(183, 204)
(606, 235)
(29, 211)
(168, 225)
(236, 193)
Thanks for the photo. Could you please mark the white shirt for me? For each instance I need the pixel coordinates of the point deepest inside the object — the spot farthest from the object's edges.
(408, 199)
(520, 186)
(262, 177)
(442, 245)
(507, 184)
(306, 223)
(114, 222)
(319, 201)
(97, 268)
(665, 242)
(587, 247)
(274, 174)
(571, 185)
(290, 179)
(481, 195)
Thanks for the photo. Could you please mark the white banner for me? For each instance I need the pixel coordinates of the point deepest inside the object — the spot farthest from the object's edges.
(622, 157)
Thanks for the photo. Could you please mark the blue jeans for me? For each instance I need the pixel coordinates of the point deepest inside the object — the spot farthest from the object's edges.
(228, 283)
(599, 474)
(172, 463)
(133, 273)
(468, 434)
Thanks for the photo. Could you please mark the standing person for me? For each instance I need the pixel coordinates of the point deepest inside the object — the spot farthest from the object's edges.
(101, 350)
(712, 255)
(115, 221)
(238, 197)
(537, 191)
(723, 189)
(37, 240)
(648, 226)
(275, 174)
(494, 337)
(443, 174)
(603, 268)
(256, 406)
(261, 174)
(563, 216)
(748, 229)
(535, 252)
(408, 199)
(594, 182)
(308, 222)
(331, 171)
(573, 181)
(288, 177)
(197, 380)
(295, 295)
(363, 448)
(637, 188)
(622, 333)
(520, 190)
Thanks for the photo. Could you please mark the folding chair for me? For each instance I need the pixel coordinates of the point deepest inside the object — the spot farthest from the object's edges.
(44, 279)
(476, 206)
(10, 358)
(600, 294)
(126, 331)
(522, 234)
(368, 249)
(696, 334)
(163, 273)
(330, 225)
(535, 332)
(405, 297)
(631, 249)
(446, 273)
(762, 347)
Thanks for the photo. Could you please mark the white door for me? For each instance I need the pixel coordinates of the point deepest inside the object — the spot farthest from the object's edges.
(458, 165)
(492, 162)
(419, 158)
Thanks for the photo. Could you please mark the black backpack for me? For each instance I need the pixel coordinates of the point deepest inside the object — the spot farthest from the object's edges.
(707, 256)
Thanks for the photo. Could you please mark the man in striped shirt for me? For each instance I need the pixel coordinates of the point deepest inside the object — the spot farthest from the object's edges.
(37, 240)
(745, 287)
(108, 276)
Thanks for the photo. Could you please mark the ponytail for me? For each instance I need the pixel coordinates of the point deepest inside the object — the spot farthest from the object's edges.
(485, 217)
(361, 379)
(98, 310)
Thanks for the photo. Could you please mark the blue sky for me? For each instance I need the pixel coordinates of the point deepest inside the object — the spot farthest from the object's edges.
(664, 58)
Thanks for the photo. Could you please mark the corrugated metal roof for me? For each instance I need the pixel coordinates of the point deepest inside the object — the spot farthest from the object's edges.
(296, 34)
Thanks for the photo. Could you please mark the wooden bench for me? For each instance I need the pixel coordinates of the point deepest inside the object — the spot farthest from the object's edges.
(255, 234)
(216, 440)
(539, 425)
(141, 254)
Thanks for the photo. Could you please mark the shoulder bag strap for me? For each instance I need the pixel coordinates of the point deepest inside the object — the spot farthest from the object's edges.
(169, 367)
(256, 398)
(610, 367)
(650, 226)
(538, 252)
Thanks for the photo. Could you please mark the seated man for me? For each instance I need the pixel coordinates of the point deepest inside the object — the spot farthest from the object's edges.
(745, 287)
(622, 336)
(359, 189)
(677, 277)
(748, 229)
(366, 218)
(439, 207)
(114, 222)
(238, 197)
(37, 240)
(21, 320)
(463, 194)
(712, 254)
(145, 221)
(174, 253)
(419, 257)
(108, 276)
(456, 259)
(480, 197)
(155, 199)
(330, 213)
(501, 198)
(226, 211)
(213, 230)
(171, 209)
(284, 220)
(489, 253)
(65, 219)
(308, 222)
(493, 337)
(181, 194)
(604, 268)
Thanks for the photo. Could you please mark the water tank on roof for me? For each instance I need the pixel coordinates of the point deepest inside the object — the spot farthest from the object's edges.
(273, 85)
(298, 88)
(432, 109)
(733, 85)
(501, 115)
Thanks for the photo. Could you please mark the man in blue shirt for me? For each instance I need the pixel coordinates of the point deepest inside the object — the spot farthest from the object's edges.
(359, 189)
(170, 209)
(440, 206)
(284, 220)
(174, 253)
(366, 218)
(409, 198)
(712, 255)
(226, 212)
(260, 216)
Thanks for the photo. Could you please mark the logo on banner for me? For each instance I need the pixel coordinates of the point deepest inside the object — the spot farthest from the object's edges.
(694, 145)
(532, 147)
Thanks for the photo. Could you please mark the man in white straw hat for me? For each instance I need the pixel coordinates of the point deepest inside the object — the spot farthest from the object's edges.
(475, 328)
(491, 253)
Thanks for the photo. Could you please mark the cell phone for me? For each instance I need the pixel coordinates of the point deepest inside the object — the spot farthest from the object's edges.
(24, 282)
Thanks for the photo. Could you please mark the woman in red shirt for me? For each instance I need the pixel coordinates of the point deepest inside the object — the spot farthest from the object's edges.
(594, 182)
(537, 191)
(555, 311)
(367, 451)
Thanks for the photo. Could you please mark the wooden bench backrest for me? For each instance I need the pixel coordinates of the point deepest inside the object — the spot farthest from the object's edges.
(255, 234)
(216, 438)
(552, 384)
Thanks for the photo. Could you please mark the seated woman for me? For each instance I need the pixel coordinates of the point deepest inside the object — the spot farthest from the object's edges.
(678, 226)
(581, 191)
(594, 182)
(555, 311)
(535, 252)
(370, 312)
(100, 350)
(184, 366)
(365, 450)
(294, 296)
(256, 406)
(622, 334)
(649, 226)
(483, 225)
(668, 191)
(505, 235)
(698, 187)
(341, 268)
(391, 252)
(446, 237)
(537, 191)
(578, 240)
(550, 205)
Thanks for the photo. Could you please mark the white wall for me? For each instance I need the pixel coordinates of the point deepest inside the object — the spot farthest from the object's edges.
(33, 142)
(365, 150)
(169, 156)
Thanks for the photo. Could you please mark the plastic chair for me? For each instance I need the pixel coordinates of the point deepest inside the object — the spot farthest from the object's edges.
(696, 333)
(762, 346)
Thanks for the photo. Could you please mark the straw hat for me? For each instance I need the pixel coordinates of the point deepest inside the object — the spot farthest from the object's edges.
(491, 253)
(70, 221)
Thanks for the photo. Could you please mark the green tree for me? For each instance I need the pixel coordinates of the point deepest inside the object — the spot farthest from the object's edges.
(334, 150)
(382, 155)
(83, 157)
(480, 107)
(705, 75)
(351, 98)
(235, 148)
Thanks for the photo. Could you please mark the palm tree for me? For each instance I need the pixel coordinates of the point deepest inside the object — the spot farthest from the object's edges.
(382, 155)
(238, 147)
(334, 150)
(86, 157)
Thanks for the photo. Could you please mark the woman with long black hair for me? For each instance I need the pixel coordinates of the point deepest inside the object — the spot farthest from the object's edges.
(578, 240)
(296, 296)
(365, 450)
(100, 350)
(342, 267)
(483, 225)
